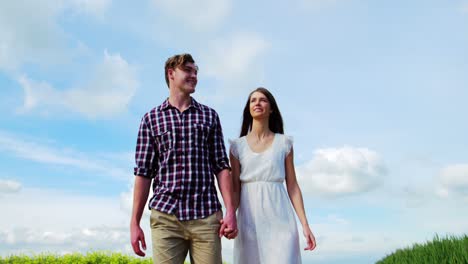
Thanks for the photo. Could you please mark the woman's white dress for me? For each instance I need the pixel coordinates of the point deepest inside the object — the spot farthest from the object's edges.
(267, 226)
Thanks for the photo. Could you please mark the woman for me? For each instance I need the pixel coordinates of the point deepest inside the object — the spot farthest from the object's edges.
(261, 160)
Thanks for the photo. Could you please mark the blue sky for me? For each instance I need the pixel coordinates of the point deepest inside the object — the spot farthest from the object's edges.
(373, 92)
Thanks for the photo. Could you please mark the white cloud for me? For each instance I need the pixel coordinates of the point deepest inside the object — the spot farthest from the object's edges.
(369, 235)
(341, 171)
(49, 154)
(233, 56)
(339, 239)
(200, 15)
(79, 239)
(63, 222)
(102, 223)
(236, 62)
(453, 181)
(91, 223)
(30, 33)
(126, 202)
(9, 186)
(38, 93)
(332, 243)
(107, 94)
(364, 227)
(59, 210)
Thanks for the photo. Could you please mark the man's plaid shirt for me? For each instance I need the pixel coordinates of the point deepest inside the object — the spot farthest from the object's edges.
(181, 152)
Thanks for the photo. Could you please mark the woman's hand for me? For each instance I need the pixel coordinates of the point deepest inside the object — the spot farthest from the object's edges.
(311, 244)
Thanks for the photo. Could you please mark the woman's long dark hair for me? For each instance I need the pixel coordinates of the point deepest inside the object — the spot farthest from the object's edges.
(275, 121)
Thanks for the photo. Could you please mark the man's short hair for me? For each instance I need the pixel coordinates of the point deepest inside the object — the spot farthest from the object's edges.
(176, 61)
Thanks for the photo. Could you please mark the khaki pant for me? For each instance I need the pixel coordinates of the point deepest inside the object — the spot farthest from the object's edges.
(172, 239)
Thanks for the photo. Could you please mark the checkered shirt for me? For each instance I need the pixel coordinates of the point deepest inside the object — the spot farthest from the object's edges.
(181, 152)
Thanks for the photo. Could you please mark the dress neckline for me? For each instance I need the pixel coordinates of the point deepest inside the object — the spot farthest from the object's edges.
(267, 149)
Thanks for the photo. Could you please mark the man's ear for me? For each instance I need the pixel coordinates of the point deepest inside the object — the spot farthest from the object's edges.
(170, 74)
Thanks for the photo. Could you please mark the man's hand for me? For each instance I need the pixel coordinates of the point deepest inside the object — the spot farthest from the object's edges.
(228, 232)
(136, 237)
(228, 226)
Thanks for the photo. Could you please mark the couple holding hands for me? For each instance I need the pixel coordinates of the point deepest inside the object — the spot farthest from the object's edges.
(180, 147)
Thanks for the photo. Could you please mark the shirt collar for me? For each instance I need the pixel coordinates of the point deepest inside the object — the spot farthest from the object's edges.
(166, 105)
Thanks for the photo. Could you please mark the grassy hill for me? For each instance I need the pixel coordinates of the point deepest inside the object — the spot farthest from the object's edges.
(450, 249)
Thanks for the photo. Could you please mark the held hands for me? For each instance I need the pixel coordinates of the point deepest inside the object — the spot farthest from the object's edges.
(228, 227)
(310, 239)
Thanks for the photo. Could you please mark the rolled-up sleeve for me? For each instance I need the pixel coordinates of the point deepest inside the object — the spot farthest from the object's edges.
(219, 159)
(145, 153)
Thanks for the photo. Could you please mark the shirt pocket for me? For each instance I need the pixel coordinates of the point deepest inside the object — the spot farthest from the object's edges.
(201, 134)
(164, 140)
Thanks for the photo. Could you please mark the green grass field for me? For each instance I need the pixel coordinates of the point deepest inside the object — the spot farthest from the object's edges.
(98, 257)
(450, 249)
(76, 258)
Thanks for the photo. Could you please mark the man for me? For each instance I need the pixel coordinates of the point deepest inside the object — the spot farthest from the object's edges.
(179, 147)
